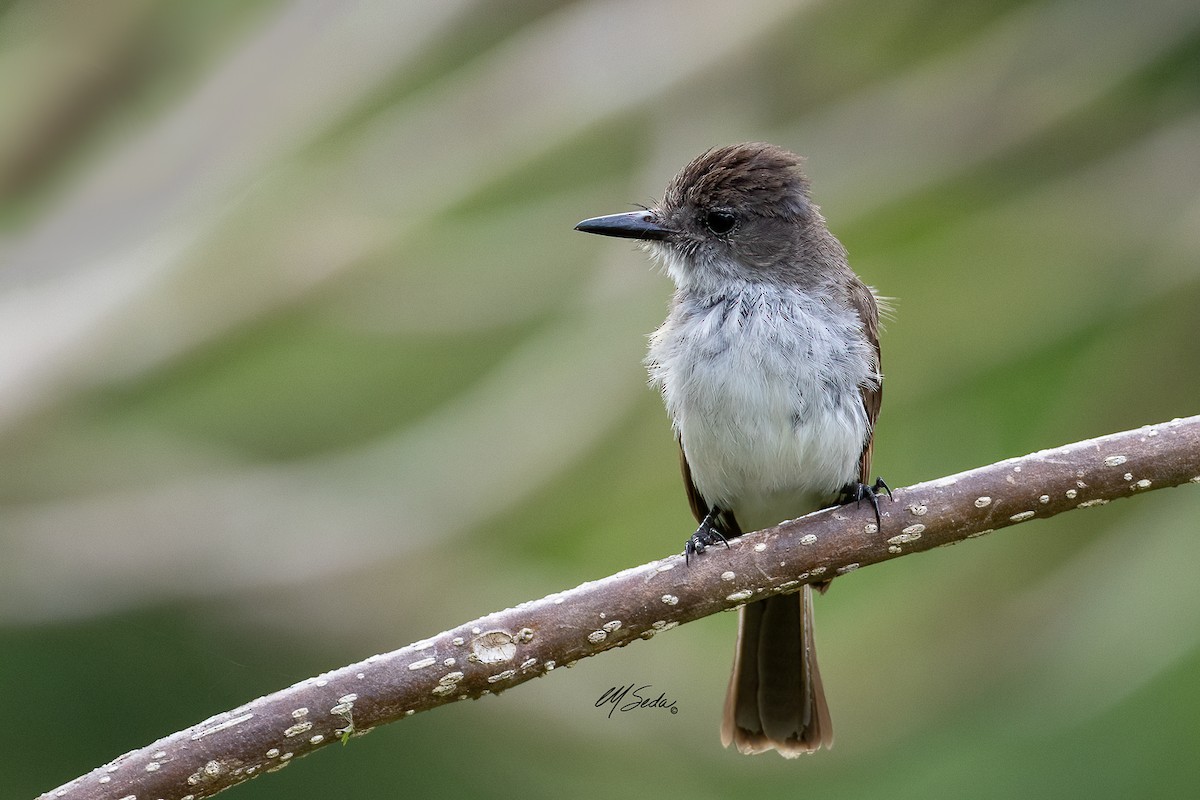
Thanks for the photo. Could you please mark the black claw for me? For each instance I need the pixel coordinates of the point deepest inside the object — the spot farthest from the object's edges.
(704, 537)
(880, 483)
(869, 492)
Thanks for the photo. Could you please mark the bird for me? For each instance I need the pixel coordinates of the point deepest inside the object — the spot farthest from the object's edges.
(770, 370)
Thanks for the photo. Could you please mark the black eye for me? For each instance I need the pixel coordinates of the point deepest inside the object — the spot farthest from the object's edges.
(720, 222)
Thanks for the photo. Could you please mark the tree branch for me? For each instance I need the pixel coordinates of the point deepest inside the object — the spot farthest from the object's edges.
(501, 650)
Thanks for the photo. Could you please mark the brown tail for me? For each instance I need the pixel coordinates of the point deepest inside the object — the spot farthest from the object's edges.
(775, 698)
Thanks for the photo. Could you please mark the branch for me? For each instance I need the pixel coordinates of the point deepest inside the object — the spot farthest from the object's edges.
(501, 650)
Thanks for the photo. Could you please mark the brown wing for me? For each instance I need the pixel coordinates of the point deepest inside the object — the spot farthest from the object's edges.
(725, 522)
(863, 301)
(698, 503)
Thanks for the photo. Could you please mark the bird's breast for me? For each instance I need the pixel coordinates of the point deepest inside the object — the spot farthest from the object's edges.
(763, 390)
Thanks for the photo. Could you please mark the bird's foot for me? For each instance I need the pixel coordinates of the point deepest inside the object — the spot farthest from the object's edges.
(857, 492)
(704, 537)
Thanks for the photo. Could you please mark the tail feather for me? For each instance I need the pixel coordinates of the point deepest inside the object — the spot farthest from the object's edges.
(775, 699)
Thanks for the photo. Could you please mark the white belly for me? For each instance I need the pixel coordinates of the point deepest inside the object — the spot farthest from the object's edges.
(764, 394)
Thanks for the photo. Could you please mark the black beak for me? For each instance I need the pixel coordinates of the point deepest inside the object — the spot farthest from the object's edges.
(633, 225)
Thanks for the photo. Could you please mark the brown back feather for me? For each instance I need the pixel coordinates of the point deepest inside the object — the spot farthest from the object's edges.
(863, 301)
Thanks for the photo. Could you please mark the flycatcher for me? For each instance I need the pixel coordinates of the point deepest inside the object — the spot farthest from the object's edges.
(769, 366)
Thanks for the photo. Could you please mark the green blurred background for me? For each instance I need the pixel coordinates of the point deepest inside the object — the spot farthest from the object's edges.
(301, 360)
